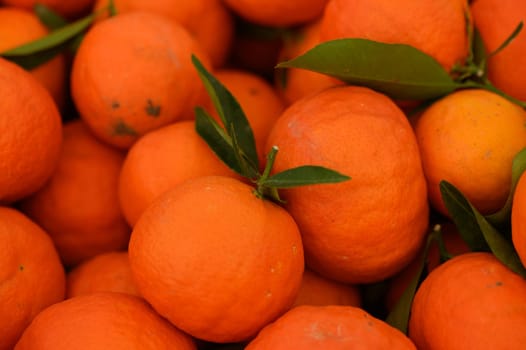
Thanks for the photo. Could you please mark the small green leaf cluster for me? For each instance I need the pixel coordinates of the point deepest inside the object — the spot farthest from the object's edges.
(234, 144)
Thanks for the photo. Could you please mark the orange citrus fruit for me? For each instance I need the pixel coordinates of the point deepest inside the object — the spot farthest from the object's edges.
(102, 321)
(293, 83)
(329, 327)
(30, 133)
(78, 206)
(350, 229)
(18, 27)
(436, 27)
(160, 160)
(106, 272)
(277, 13)
(320, 291)
(209, 21)
(471, 301)
(495, 21)
(31, 275)
(132, 74)
(467, 135)
(518, 219)
(216, 260)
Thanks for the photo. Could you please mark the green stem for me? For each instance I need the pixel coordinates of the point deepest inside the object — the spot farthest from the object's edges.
(263, 191)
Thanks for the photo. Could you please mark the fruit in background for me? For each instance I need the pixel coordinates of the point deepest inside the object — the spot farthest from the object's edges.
(78, 206)
(106, 272)
(19, 26)
(31, 275)
(317, 290)
(209, 21)
(362, 230)
(291, 83)
(471, 135)
(472, 301)
(518, 219)
(329, 327)
(436, 27)
(30, 133)
(70, 9)
(277, 13)
(160, 160)
(495, 21)
(102, 321)
(132, 74)
(216, 260)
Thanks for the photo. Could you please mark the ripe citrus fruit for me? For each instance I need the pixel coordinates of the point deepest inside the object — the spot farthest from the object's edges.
(350, 230)
(461, 138)
(68, 9)
(132, 74)
(18, 27)
(436, 27)
(292, 83)
(216, 260)
(329, 327)
(78, 206)
(277, 13)
(102, 321)
(30, 133)
(209, 21)
(518, 219)
(160, 160)
(106, 272)
(495, 21)
(471, 301)
(319, 291)
(31, 275)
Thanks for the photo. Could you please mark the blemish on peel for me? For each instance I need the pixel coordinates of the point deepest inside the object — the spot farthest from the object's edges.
(122, 129)
(115, 104)
(268, 294)
(21, 267)
(152, 109)
(294, 250)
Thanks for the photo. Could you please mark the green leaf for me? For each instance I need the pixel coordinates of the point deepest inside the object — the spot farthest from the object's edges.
(50, 18)
(398, 317)
(400, 71)
(478, 233)
(462, 215)
(214, 135)
(502, 217)
(234, 120)
(479, 49)
(304, 175)
(508, 40)
(32, 54)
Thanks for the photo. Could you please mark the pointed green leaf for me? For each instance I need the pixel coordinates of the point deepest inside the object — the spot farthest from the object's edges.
(233, 119)
(214, 135)
(502, 217)
(478, 233)
(304, 175)
(400, 71)
(50, 18)
(32, 54)
(460, 211)
(508, 40)
(479, 49)
(398, 317)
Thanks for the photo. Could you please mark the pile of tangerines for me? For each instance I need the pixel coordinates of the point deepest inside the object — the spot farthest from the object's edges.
(163, 185)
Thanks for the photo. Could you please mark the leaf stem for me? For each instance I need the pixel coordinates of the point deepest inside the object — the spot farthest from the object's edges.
(263, 190)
